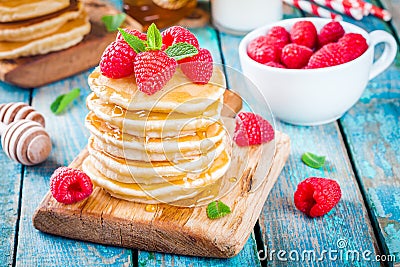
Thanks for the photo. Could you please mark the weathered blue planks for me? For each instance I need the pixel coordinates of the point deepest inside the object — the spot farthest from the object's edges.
(10, 183)
(247, 257)
(372, 131)
(68, 137)
(283, 226)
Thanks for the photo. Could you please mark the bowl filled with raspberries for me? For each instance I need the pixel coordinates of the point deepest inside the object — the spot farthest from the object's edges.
(312, 70)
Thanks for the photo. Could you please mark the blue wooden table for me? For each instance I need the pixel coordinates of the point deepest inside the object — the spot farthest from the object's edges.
(362, 150)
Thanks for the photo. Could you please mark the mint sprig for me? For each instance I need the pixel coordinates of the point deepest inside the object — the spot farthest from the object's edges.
(154, 38)
(62, 101)
(133, 41)
(312, 160)
(217, 209)
(180, 51)
(113, 22)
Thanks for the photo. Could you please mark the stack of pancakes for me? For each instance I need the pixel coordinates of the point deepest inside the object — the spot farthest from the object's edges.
(33, 27)
(167, 147)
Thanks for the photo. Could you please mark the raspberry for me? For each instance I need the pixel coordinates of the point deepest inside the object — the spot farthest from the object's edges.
(295, 56)
(69, 185)
(278, 36)
(304, 33)
(140, 35)
(352, 45)
(317, 196)
(252, 129)
(153, 69)
(198, 68)
(275, 65)
(178, 34)
(330, 33)
(329, 55)
(117, 60)
(262, 52)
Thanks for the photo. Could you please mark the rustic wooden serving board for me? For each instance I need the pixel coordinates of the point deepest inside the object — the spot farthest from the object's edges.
(29, 72)
(107, 220)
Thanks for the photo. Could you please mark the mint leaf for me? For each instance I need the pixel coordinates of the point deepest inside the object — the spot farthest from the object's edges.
(217, 209)
(133, 41)
(180, 51)
(154, 38)
(313, 160)
(63, 100)
(112, 22)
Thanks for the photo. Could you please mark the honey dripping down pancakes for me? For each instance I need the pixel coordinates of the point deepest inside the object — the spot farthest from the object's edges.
(161, 147)
(29, 28)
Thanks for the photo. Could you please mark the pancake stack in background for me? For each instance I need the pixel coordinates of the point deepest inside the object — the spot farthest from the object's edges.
(167, 147)
(34, 27)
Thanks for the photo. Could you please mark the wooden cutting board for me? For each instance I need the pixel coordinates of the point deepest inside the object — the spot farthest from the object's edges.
(164, 228)
(35, 71)
(171, 229)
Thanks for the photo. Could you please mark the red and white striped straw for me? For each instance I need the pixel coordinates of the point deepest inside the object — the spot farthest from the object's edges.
(380, 13)
(313, 9)
(368, 8)
(355, 13)
(356, 4)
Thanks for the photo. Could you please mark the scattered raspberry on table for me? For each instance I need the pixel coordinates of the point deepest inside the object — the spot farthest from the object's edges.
(252, 129)
(68, 185)
(317, 196)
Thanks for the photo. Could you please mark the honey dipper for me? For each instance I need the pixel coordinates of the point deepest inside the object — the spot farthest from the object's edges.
(17, 111)
(25, 141)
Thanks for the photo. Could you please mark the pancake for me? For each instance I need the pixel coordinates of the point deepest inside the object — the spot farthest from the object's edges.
(163, 192)
(203, 140)
(25, 9)
(147, 172)
(140, 155)
(38, 27)
(68, 35)
(178, 95)
(128, 179)
(153, 124)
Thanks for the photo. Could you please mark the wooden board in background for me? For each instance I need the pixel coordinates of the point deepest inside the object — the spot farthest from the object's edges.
(29, 72)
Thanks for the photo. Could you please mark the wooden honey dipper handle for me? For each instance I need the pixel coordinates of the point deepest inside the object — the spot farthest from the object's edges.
(25, 141)
(17, 111)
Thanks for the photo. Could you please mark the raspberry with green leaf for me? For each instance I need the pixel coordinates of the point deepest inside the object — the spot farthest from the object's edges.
(153, 67)
(198, 68)
(178, 34)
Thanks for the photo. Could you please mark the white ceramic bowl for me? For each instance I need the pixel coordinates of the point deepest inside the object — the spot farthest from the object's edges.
(317, 96)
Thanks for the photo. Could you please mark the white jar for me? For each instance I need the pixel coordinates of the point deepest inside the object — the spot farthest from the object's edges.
(242, 16)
